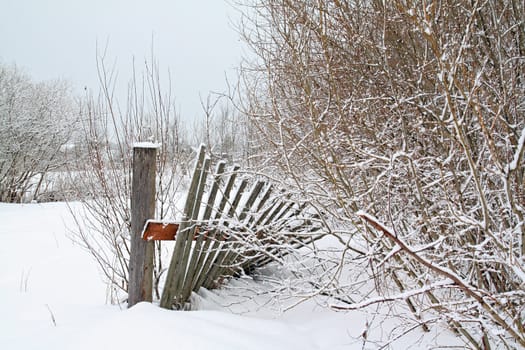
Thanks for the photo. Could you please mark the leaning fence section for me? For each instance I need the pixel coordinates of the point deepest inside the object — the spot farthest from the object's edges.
(232, 223)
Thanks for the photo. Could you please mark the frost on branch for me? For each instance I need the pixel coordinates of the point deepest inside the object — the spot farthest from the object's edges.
(37, 131)
(413, 113)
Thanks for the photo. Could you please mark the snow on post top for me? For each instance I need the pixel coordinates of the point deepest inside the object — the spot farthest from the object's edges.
(146, 145)
(201, 148)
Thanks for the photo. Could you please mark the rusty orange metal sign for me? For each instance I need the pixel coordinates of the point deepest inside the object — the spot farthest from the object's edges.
(160, 231)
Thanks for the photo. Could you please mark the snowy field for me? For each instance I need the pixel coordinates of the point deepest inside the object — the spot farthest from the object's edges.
(52, 297)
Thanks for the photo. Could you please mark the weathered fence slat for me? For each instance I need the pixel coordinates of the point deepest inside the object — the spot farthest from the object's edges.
(215, 234)
(184, 267)
(254, 193)
(169, 291)
(233, 253)
(185, 289)
(222, 253)
(204, 249)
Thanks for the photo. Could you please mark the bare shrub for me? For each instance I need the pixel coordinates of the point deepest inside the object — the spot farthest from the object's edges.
(103, 171)
(411, 114)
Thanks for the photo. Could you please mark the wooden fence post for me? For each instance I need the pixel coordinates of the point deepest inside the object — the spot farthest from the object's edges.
(142, 209)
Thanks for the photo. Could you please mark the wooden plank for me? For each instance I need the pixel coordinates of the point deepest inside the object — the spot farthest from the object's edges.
(252, 217)
(174, 269)
(201, 248)
(274, 206)
(187, 267)
(254, 193)
(233, 256)
(211, 256)
(217, 267)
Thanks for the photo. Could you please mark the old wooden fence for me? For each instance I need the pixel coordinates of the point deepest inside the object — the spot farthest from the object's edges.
(232, 222)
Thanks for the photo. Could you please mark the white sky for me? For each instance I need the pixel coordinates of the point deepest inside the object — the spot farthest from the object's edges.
(195, 39)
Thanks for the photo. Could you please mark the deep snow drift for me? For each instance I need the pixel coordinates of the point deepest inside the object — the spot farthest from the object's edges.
(52, 297)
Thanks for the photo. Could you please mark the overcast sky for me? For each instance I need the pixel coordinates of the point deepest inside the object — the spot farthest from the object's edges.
(52, 39)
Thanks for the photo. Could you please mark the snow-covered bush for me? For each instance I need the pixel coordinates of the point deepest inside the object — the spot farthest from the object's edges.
(37, 121)
(412, 115)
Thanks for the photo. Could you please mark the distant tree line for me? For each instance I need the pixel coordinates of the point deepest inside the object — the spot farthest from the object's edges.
(48, 134)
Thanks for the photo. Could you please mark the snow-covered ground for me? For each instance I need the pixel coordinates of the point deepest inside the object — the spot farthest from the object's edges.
(52, 297)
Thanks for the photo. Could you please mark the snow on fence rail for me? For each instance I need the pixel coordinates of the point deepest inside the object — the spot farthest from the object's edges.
(231, 224)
